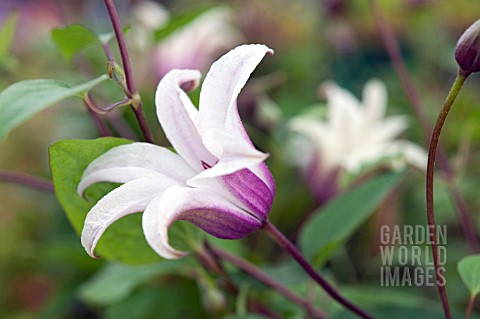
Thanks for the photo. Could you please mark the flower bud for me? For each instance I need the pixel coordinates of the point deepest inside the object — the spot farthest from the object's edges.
(116, 73)
(467, 52)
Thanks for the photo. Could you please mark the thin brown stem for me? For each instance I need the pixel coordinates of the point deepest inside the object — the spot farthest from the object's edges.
(108, 52)
(99, 123)
(122, 45)
(393, 50)
(452, 95)
(103, 110)
(27, 180)
(264, 278)
(132, 89)
(287, 245)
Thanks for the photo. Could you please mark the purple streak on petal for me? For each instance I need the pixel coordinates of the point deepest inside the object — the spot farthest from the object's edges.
(235, 125)
(264, 173)
(250, 190)
(222, 223)
(206, 165)
(205, 208)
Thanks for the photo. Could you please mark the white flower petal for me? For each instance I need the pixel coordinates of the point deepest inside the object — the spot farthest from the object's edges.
(155, 227)
(125, 163)
(411, 154)
(390, 128)
(179, 117)
(119, 175)
(234, 154)
(313, 129)
(127, 199)
(374, 100)
(205, 209)
(343, 109)
(223, 83)
(324, 143)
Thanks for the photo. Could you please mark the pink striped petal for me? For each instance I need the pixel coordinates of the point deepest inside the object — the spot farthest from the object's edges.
(205, 209)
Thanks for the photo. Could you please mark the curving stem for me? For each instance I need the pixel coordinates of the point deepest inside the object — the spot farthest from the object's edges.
(288, 246)
(132, 89)
(27, 180)
(392, 48)
(263, 277)
(452, 95)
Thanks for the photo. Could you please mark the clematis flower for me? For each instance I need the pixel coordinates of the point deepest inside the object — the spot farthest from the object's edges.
(353, 134)
(217, 180)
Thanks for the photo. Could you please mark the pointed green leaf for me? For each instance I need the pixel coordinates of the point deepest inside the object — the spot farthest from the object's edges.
(123, 240)
(22, 100)
(73, 38)
(469, 269)
(335, 223)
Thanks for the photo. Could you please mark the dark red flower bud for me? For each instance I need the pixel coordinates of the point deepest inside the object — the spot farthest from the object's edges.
(467, 52)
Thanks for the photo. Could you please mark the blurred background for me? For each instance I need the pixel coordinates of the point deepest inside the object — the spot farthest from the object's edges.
(44, 271)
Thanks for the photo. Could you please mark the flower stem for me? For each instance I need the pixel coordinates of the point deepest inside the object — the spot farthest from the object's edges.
(470, 307)
(27, 180)
(108, 52)
(103, 110)
(452, 95)
(267, 280)
(286, 244)
(122, 45)
(393, 50)
(132, 89)
(99, 123)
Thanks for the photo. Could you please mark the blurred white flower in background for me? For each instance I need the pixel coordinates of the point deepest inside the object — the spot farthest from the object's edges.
(352, 135)
(148, 16)
(197, 44)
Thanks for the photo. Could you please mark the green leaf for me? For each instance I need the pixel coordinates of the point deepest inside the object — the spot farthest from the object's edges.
(73, 38)
(22, 100)
(335, 223)
(186, 236)
(469, 269)
(6, 34)
(169, 299)
(123, 240)
(115, 282)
